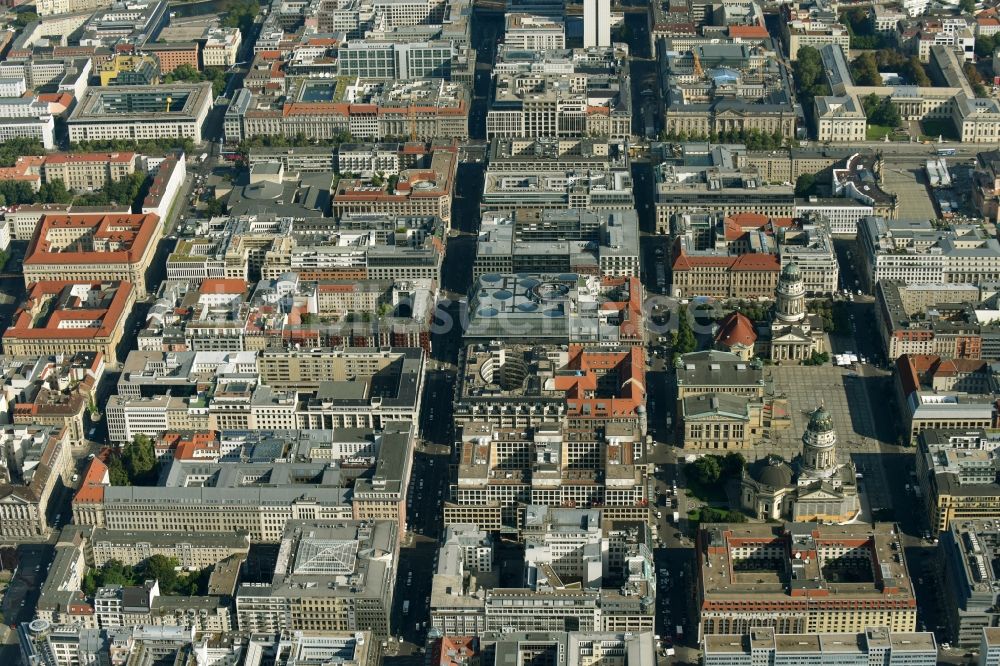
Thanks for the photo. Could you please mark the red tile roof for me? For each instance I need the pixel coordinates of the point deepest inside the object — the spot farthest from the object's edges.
(132, 232)
(952, 367)
(591, 364)
(109, 318)
(736, 329)
(757, 262)
(63, 99)
(457, 651)
(61, 158)
(222, 286)
(909, 368)
(748, 31)
(94, 480)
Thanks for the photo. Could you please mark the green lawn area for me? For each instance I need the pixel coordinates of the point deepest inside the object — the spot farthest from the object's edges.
(932, 129)
(879, 132)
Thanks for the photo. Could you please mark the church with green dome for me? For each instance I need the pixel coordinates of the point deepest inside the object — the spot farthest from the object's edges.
(814, 487)
(794, 334)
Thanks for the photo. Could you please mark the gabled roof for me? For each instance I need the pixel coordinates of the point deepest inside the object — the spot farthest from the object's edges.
(92, 487)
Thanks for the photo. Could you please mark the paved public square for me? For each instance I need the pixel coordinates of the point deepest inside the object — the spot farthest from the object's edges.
(909, 184)
(840, 390)
(848, 396)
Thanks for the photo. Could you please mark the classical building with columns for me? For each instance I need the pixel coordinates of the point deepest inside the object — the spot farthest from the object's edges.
(795, 334)
(814, 488)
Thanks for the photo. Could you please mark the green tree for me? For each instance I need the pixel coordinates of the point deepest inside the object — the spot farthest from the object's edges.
(115, 573)
(864, 69)
(705, 470)
(985, 45)
(967, 6)
(975, 79)
(24, 18)
(17, 192)
(11, 149)
(215, 207)
(145, 146)
(116, 472)
(732, 465)
(808, 67)
(712, 515)
(861, 30)
(805, 185)
(808, 72)
(856, 18)
(163, 569)
(89, 584)
(241, 14)
(54, 191)
(916, 73)
(686, 342)
(183, 72)
(881, 111)
(139, 458)
(888, 114)
(124, 191)
(190, 74)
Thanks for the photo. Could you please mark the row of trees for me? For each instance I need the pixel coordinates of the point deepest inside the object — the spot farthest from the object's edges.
(11, 149)
(124, 191)
(153, 146)
(16, 192)
(158, 567)
(134, 464)
(976, 80)
(754, 139)
(708, 514)
(684, 342)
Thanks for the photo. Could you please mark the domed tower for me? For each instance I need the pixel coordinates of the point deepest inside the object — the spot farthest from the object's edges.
(790, 304)
(819, 447)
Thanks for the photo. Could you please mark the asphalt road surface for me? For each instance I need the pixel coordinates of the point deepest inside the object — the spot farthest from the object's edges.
(19, 601)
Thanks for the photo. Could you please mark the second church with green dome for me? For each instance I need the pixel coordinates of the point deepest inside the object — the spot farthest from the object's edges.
(813, 487)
